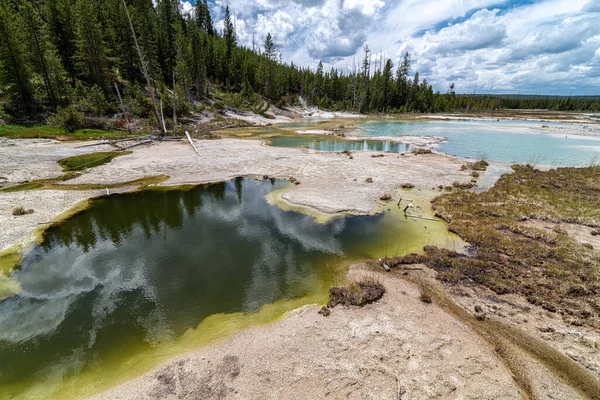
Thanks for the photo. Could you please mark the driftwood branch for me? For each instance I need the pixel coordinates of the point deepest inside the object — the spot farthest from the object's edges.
(426, 218)
(384, 265)
(136, 144)
(189, 138)
(108, 142)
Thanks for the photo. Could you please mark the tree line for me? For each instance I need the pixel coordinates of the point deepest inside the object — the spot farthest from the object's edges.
(97, 57)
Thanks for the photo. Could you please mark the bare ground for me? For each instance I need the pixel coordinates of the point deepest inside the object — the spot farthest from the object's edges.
(396, 348)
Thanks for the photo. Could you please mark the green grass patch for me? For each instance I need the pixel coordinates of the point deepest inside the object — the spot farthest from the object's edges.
(50, 132)
(84, 161)
(55, 184)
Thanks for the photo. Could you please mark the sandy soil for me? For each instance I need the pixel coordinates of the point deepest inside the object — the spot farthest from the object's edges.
(25, 160)
(257, 119)
(396, 348)
(581, 233)
(580, 343)
(46, 204)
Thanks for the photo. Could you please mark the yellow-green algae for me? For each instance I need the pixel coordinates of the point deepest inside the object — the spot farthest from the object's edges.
(137, 361)
(53, 184)
(118, 368)
(89, 160)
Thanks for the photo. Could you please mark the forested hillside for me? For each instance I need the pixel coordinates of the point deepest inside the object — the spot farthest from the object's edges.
(73, 58)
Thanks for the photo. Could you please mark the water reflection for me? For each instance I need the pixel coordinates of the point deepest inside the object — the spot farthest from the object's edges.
(333, 144)
(140, 269)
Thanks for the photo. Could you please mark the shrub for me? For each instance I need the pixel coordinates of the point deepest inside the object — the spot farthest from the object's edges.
(21, 211)
(480, 165)
(462, 185)
(69, 118)
(425, 297)
(356, 293)
(421, 151)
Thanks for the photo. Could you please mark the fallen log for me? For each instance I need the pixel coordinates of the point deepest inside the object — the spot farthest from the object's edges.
(110, 142)
(189, 138)
(384, 265)
(136, 144)
(426, 218)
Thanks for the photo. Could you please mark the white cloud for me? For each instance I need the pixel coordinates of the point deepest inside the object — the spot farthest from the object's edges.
(187, 8)
(498, 45)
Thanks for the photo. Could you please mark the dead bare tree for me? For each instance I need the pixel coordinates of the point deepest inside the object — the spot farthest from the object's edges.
(123, 107)
(174, 103)
(144, 68)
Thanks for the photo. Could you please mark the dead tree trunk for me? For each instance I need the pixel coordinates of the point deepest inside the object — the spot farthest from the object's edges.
(123, 108)
(162, 118)
(144, 68)
(174, 103)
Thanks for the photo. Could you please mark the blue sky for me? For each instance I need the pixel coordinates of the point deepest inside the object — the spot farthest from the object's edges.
(495, 46)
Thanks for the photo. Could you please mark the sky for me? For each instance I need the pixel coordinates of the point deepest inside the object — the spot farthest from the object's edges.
(483, 46)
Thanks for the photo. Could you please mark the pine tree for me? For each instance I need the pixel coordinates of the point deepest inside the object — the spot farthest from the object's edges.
(208, 22)
(318, 88)
(15, 73)
(230, 43)
(365, 87)
(168, 16)
(200, 16)
(402, 81)
(91, 60)
(40, 50)
(197, 65)
(269, 67)
(387, 83)
(61, 27)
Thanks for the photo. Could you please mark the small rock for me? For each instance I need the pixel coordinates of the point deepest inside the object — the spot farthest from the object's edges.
(369, 180)
(478, 309)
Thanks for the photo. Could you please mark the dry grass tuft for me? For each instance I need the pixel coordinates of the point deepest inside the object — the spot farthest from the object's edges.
(421, 151)
(424, 296)
(462, 185)
(480, 165)
(21, 211)
(509, 256)
(355, 293)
